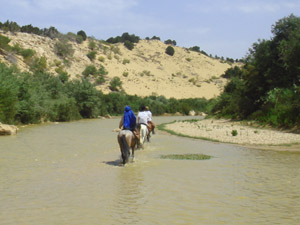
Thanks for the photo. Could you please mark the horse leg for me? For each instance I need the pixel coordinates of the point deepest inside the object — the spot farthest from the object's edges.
(132, 149)
(124, 149)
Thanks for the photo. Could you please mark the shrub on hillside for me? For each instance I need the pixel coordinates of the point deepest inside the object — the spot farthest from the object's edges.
(4, 42)
(92, 45)
(102, 70)
(170, 50)
(63, 49)
(129, 45)
(115, 84)
(39, 65)
(74, 38)
(90, 70)
(91, 55)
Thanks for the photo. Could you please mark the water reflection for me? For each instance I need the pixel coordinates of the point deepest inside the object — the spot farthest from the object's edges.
(129, 196)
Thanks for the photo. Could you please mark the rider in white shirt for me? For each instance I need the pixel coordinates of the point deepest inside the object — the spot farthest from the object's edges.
(143, 116)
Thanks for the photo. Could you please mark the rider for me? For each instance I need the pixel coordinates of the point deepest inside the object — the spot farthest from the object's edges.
(128, 121)
(143, 116)
(150, 119)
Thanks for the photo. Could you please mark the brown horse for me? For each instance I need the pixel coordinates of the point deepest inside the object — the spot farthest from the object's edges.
(126, 141)
(150, 127)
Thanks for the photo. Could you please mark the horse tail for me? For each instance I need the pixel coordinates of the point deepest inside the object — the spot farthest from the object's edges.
(125, 149)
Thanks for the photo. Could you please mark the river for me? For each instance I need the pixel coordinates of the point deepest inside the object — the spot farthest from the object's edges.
(70, 173)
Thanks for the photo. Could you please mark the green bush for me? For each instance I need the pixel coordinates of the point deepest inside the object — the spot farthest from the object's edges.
(234, 132)
(64, 76)
(90, 70)
(115, 84)
(92, 45)
(91, 55)
(4, 42)
(39, 64)
(100, 80)
(82, 34)
(9, 90)
(102, 70)
(27, 53)
(170, 50)
(101, 59)
(125, 61)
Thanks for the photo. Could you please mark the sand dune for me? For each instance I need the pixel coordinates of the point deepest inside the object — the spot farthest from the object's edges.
(146, 70)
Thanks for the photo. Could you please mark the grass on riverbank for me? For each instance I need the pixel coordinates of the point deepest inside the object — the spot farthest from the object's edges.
(162, 127)
(186, 157)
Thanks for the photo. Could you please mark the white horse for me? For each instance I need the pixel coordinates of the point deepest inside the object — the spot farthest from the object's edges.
(143, 133)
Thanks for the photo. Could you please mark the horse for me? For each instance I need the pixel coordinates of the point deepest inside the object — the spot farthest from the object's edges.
(144, 132)
(126, 140)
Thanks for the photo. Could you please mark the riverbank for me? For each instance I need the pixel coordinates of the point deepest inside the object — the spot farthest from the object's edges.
(226, 131)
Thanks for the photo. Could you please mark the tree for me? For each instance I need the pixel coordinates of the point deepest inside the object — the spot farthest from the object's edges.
(155, 38)
(170, 42)
(82, 34)
(30, 29)
(8, 94)
(195, 49)
(129, 45)
(266, 87)
(115, 84)
(52, 32)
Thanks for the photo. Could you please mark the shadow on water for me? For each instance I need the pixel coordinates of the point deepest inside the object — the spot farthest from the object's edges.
(114, 163)
(117, 162)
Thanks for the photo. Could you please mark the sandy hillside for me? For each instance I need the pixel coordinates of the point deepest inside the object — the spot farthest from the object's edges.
(144, 71)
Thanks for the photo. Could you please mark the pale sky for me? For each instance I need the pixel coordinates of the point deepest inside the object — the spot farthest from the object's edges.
(225, 28)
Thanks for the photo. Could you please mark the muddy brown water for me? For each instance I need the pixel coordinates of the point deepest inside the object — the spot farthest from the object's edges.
(69, 173)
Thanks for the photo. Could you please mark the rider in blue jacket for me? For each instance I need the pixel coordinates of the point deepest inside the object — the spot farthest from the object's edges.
(128, 121)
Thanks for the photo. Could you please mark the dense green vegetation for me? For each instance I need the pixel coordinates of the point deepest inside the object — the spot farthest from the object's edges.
(41, 96)
(186, 157)
(267, 87)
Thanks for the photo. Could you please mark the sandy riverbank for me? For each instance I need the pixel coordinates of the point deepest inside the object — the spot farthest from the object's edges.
(221, 130)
